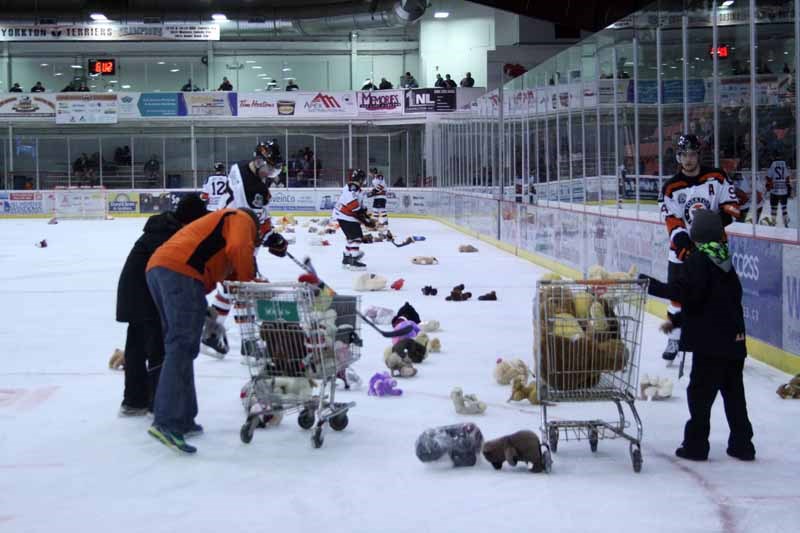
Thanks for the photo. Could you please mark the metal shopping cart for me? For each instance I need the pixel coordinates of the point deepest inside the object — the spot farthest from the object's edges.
(296, 340)
(588, 338)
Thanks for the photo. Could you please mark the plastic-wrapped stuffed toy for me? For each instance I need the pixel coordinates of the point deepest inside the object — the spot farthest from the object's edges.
(369, 282)
(461, 442)
(382, 384)
(379, 315)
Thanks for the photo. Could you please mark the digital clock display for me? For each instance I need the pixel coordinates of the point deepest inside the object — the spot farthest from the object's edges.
(105, 67)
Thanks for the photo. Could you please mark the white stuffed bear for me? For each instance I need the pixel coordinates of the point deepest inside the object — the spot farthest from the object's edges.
(655, 388)
(429, 326)
(506, 371)
(369, 282)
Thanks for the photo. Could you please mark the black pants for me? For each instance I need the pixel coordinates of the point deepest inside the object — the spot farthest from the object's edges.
(710, 375)
(775, 199)
(144, 353)
(674, 271)
(352, 230)
(379, 203)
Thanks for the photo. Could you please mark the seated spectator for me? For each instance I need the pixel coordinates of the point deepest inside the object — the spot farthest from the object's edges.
(16, 88)
(385, 85)
(468, 81)
(408, 81)
(38, 88)
(399, 182)
(439, 82)
(369, 86)
(449, 83)
(83, 88)
(225, 85)
(189, 87)
(292, 86)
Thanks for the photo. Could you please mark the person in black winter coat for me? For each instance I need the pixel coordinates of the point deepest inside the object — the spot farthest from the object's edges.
(713, 329)
(144, 344)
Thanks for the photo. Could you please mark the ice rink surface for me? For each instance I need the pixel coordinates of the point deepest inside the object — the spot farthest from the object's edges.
(69, 463)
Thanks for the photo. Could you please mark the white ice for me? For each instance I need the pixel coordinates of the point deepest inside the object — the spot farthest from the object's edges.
(68, 463)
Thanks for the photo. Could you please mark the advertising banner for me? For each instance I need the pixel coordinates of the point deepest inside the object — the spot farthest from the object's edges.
(259, 104)
(123, 202)
(110, 31)
(211, 104)
(147, 105)
(15, 105)
(320, 104)
(21, 203)
(86, 108)
(791, 299)
(648, 188)
(379, 102)
(759, 264)
(293, 200)
(430, 100)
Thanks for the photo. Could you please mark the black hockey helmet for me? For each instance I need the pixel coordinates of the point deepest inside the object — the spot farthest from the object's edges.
(269, 151)
(219, 167)
(687, 142)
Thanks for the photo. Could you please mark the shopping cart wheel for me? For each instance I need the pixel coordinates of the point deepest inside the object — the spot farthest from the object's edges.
(339, 422)
(593, 436)
(248, 428)
(306, 419)
(547, 460)
(316, 438)
(636, 458)
(553, 437)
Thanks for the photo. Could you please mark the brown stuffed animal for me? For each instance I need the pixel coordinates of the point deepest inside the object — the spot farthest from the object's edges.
(411, 349)
(117, 361)
(467, 249)
(424, 260)
(398, 365)
(522, 446)
(790, 390)
(520, 391)
(434, 345)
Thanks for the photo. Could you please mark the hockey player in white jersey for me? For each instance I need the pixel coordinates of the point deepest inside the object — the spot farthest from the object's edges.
(378, 195)
(693, 187)
(780, 189)
(351, 213)
(217, 190)
(750, 205)
(249, 182)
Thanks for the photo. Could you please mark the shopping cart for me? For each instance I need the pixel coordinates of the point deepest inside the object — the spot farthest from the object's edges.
(588, 338)
(296, 340)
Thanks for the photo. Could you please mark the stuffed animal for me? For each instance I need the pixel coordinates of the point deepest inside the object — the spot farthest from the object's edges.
(411, 349)
(655, 388)
(424, 260)
(598, 272)
(522, 446)
(430, 326)
(297, 387)
(461, 442)
(401, 323)
(379, 315)
(467, 249)
(520, 391)
(407, 311)
(466, 404)
(398, 365)
(267, 416)
(434, 345)
(382, 384)
(369, 282)
(350, 378)
(506, 371)
(790, 390)
(117, 361)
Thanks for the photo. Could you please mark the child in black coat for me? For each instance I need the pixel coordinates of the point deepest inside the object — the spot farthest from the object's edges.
(713, 329)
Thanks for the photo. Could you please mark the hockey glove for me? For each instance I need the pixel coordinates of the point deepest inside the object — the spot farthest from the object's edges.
(683, 245)
(276, 244)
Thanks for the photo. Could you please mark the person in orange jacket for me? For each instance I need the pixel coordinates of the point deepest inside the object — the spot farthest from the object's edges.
(180, 273)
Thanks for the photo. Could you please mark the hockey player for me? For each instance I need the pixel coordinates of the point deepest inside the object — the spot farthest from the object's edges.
(746, 200)
(351, 213)
(693, 187)
(249, 183)
(780, 189)
(217, 190)
(378, 194)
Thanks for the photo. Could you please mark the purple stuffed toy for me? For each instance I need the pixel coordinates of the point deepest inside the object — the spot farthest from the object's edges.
(401, 322)
(382, 384)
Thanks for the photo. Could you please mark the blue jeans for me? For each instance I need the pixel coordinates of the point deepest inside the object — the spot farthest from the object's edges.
(181, 302)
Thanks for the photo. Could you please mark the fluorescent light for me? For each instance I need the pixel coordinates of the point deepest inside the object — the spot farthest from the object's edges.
(113, 81)
(174, 70)
(727, 3)
(43, 65)
(93, 86)
(441, 15)
(219, 17)
(257, 67)
(286, 69)
(57, 74)
(98, 17)
(76, 66)
(250, 61)
(160, 63)
(126, 86)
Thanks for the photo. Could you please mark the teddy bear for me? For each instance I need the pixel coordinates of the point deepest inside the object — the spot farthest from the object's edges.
(369, 282)
(461, 442)
(520, 391)
(430, 326)
(434, 345)
(655, 388)
(412, 350)
(407, 311)
(467, 249)
(117, 361)
(506, 371)
(399, 323)
(398, 365)
(267, 417)
(424, 260)
(382, 384)
(466, 404)
(297, 387)
(522, 446)
(598, 272)
(790, 390)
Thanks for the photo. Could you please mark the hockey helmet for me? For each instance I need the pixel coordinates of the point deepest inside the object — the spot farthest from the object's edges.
(219, 167)
(688, 142)
(267, 156)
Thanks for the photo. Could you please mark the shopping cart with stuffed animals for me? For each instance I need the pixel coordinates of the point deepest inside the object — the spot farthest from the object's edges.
(296, 340)
(588, 338)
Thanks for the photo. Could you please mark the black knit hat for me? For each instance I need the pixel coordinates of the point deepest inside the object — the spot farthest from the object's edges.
(706, 227)
(190, 208)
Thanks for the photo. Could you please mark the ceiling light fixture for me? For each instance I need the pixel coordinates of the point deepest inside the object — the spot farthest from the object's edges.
(160, 63)
(441, 14)
(76, 66)
(126, 86)
(43, 65)
(727, 3)
(98, 17)
(174, 70)
(286, 69)
(256, 67)
(219, 17)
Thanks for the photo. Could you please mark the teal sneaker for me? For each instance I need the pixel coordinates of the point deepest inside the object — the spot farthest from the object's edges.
(170, 439)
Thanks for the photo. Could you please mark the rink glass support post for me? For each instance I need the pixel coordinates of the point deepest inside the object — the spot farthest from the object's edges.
(660, 106)
(636, 166)
(408, 163)
(501, 149)
(193, 154)
(569, 144)
(715, 78)
(753, 115)
(797, 110)
(685, 54)
(617, 171)
(599, 172)
(313, 162)
(349, 148)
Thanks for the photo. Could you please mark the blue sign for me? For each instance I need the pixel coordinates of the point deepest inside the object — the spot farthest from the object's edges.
(159, 105)
(759, 264)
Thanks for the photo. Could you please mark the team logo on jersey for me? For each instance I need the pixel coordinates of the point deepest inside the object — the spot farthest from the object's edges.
(693, 205)
(681, 198)
(258, 200)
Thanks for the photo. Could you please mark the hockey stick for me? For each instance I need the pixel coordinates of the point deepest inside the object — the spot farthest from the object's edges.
(406, 242)
(308, 267)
